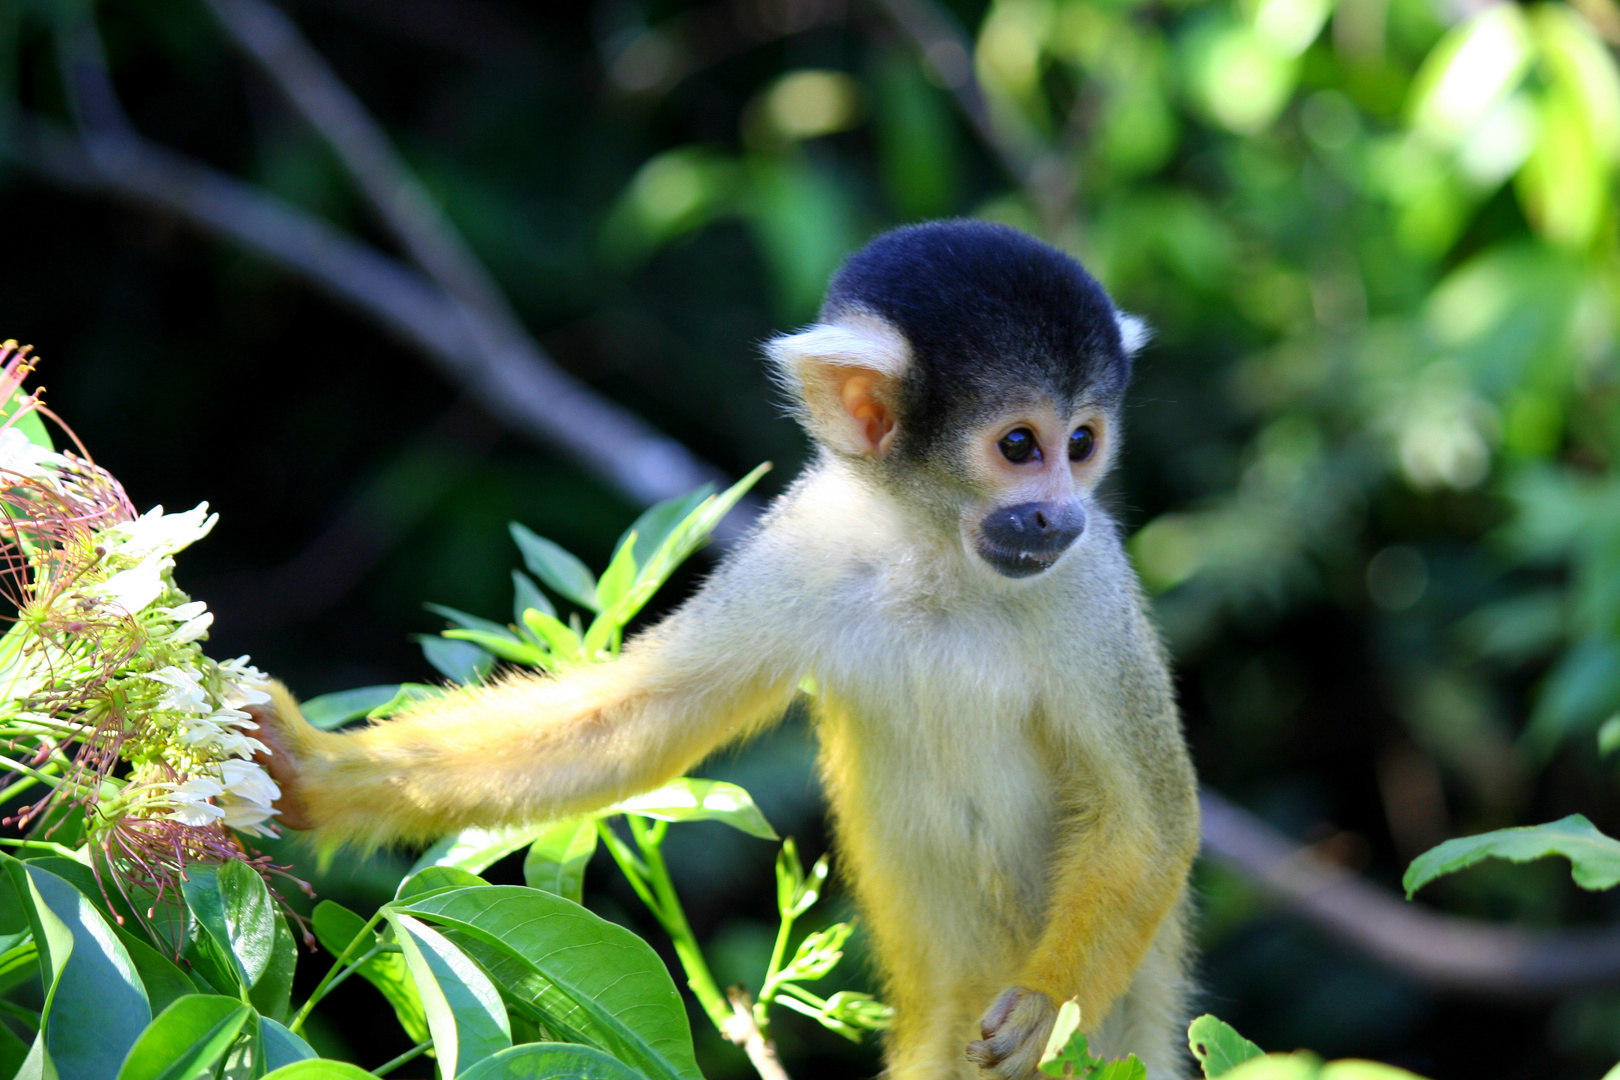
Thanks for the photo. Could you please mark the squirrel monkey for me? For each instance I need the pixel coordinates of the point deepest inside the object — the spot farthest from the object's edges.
(1010, 789)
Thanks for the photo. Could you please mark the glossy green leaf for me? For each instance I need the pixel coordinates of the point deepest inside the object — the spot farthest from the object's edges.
(235, 909)
(187, 1040)
(95, 1005)
(691, 799)
(464, 1010)
(164, 982)
(409, 694)
(271, 992)
(475, 850)
(283, 1047)
(557, 860)
(462, 662)
(691, 533)
(13, 1052)
(578, 975)
(526, 595)
(551, 1061)
(1217, 1046)
(335, 927)
(656, 522)
(37, 1065)
(1066, 1053)
(320, 1069)
(620, 573)
(334, 710)
(506, 647)
(1594, 858)
(559, 637)
(436, 879)
(556, 568)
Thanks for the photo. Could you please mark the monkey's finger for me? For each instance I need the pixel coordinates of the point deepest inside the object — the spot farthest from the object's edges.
(996, 1014)
(279, 763)
(981, 1055)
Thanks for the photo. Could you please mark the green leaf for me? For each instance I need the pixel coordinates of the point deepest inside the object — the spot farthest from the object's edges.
(38, 1064)
(164, 982)
(575, 974)
(558, 635)
(691, 799)
(566, 575)
(1129, 1069)
(235, 910)
(320, 1069)
(1066, 1052)
(30, 423)
(335, 927)
(282, 1047)
(656, 522)
(551, 1061)
(526, 595)
(1217, 1046)
(14, 925)
(1594, 858)
(686, 537)
(333, 710)
(13, 1052)
(557, 861)
(95, 1003)
(186, 1040)
(462, 662)
(271, 992)
(620, 573)
(437, 879)
(471, 622)
(464, 1010)
(475, 850)
(409, 694)
(506, 647)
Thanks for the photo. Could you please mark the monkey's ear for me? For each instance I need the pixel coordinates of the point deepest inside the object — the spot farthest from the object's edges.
(1134, 332)
(845, 379)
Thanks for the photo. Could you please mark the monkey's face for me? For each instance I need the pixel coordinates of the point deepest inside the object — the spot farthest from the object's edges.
(1033, 468)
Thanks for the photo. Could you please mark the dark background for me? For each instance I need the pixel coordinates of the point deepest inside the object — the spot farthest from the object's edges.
(1369, 449)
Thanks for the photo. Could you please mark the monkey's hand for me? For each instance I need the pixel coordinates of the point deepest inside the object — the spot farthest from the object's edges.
(1015, 1028)
(284, 730)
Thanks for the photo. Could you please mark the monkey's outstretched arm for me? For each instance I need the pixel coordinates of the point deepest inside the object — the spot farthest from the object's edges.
(530, 748)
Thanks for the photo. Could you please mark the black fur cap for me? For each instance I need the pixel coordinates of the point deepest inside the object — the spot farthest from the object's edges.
(991, 314)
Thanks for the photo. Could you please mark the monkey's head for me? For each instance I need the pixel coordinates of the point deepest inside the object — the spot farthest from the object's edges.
(977, 374)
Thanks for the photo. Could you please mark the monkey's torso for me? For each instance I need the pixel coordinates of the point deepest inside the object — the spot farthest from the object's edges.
(960, 726)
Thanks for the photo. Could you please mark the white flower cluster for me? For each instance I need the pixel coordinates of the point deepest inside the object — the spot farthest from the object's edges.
(204, 700)
(225, 784)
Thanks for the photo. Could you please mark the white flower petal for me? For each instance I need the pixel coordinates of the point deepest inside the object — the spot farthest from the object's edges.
(192, 629)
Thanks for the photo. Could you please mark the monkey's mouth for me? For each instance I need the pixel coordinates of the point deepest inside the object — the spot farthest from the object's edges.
(1014, 563)
(1023, 540)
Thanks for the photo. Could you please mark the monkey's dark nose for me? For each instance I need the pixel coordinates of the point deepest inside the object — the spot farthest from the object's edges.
(1027, 538)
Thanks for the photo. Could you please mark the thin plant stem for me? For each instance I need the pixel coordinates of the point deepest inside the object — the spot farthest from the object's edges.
(410, 1055)
(43, 845)
(767, 991)
(325, 984)
(673, 917)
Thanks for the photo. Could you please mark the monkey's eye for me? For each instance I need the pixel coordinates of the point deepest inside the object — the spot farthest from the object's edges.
(1082, 443)
(1019, 446)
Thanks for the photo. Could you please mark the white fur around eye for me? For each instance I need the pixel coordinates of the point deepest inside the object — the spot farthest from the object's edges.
(1134, 332)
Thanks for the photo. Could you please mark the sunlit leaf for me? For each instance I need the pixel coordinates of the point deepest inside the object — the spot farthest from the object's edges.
(1594, 858)
(475, 850)
(335, 927)
(556, 862)
(187, 1040)
(576, 974)
(1217, 1046)
(464, 1010)
(563, 1061)
(691, 799)
(334, 710)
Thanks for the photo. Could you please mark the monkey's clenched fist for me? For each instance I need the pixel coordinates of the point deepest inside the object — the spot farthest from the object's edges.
(1011, 794)
(1015, 1028)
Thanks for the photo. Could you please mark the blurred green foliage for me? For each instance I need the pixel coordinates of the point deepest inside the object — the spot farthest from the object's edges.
(1369, 471)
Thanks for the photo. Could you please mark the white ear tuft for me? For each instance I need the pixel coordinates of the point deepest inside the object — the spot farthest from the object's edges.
(843, 375)
(1134, 332)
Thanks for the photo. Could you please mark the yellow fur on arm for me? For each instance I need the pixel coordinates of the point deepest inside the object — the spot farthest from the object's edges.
(524, 749)
(1118, 877)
